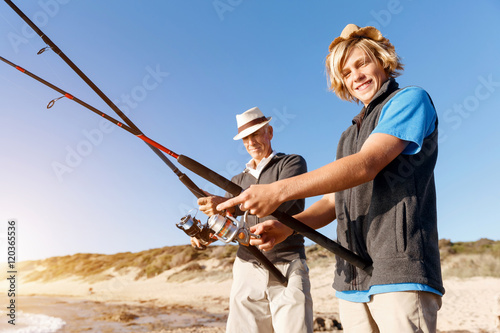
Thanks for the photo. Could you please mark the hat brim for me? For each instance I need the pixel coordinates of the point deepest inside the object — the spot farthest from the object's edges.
(252, 129)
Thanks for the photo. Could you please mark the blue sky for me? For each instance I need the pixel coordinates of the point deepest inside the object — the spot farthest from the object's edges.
(182, 70)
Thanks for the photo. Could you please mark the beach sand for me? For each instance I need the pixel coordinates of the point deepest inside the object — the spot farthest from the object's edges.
(123, 304)
(80, 315)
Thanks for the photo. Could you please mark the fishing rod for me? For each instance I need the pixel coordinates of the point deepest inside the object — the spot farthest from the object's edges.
(132, 128)
(209, 175)
(182, 177)
(152, 144)
(200, 169)
(137, 132)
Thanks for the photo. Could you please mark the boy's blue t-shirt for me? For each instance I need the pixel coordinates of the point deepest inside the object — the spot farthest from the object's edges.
(409, 116)
(363, 296)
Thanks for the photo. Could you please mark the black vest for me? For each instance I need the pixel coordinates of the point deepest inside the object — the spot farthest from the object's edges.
(391, 220)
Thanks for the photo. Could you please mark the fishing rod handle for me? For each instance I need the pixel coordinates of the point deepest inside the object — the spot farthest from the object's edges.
(198, 193)
(209, 175)
(191, 186)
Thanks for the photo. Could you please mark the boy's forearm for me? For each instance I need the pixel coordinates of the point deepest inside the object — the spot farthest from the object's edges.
(319, 214)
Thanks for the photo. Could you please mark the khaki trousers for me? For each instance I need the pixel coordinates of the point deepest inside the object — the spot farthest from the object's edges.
(398, 312)
(260, 304)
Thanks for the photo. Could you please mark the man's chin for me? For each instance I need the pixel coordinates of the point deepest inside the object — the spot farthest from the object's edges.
(256, 156)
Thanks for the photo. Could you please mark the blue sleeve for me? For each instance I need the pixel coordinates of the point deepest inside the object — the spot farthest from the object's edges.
(409, 116)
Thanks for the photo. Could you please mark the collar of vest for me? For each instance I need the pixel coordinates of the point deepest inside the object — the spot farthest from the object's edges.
(387, 88)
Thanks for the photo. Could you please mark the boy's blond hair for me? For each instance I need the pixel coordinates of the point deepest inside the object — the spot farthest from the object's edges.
(381, 51)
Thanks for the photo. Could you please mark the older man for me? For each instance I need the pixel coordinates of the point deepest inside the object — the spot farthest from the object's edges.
(258, 302)
(380, 189)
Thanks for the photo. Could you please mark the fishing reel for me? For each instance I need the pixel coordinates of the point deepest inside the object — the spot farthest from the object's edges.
(194, 228)
(229, 229)
(224, 228)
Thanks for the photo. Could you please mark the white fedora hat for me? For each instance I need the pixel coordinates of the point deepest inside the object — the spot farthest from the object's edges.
(250, 121)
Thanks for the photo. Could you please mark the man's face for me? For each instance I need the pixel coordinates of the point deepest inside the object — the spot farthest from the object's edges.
(363, 77)
(258, 144)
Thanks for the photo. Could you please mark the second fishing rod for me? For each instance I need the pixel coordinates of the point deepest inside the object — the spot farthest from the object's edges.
(182, 177)
(200, 169)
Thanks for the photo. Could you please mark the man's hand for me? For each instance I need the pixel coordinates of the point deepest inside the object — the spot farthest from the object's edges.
(208, 205)
(195, 242)
(272, 232)
(260, 200)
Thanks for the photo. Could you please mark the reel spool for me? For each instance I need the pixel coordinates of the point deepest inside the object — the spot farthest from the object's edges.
(228, 229)
(193, 228)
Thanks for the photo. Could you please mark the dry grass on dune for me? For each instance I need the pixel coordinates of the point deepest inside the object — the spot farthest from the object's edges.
(93, 267)
(459, 259)
(470, 259)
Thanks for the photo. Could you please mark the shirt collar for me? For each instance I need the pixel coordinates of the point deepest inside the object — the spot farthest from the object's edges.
(258, 169)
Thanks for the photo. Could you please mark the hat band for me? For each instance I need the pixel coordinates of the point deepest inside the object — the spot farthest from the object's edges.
(251, 123)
